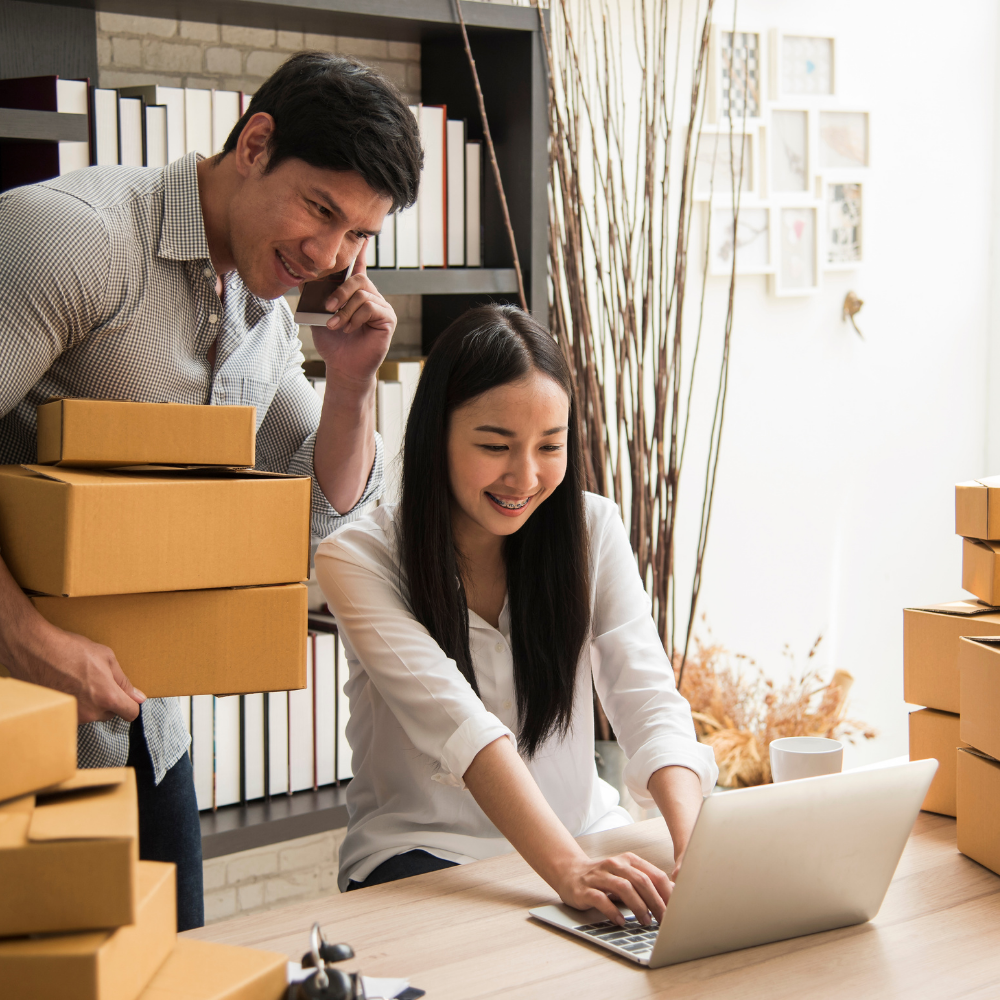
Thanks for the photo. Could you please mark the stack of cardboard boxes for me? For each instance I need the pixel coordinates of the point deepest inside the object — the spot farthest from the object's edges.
(951, 658)
(144, 527)
(81, 918)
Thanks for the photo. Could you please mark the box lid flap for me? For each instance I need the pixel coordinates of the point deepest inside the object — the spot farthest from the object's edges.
(978, 753)
(990, 641)
(965, 608)
(15, 816)
(146, 473)
(87, 811)
(91, 777)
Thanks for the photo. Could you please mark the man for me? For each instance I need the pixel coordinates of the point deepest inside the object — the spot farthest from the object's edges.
(167, 285)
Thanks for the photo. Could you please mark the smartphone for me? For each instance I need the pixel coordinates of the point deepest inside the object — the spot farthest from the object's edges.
(311, 310)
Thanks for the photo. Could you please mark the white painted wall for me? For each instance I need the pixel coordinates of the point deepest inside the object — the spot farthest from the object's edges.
(835, 500)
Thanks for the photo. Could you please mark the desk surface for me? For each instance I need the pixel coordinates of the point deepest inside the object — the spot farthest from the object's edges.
(465, 933)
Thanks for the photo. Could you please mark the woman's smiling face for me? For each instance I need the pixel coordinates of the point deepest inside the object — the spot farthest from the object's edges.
(506, 454)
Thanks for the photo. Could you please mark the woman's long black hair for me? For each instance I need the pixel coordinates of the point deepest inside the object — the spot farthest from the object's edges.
(548, 572)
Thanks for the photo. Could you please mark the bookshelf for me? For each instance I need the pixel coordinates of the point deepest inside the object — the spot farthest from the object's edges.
(509, 53)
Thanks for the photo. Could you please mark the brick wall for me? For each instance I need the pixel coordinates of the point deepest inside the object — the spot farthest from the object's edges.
(264, 877)
(134, 50)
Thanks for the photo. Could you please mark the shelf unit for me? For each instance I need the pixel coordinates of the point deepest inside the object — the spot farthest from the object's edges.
(507, 44)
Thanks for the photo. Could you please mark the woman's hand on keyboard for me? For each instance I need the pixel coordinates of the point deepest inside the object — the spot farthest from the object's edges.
(584, 883)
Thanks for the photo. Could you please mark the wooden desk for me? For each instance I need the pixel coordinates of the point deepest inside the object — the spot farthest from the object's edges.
(465, 933)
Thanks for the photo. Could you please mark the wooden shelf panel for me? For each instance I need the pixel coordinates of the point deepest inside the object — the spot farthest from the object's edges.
(396, 20)
(51, 126)
(444, 280)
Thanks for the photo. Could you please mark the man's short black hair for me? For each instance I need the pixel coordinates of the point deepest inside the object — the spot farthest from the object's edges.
(338, 114)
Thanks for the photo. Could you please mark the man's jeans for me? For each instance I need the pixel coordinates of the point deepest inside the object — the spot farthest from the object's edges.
(169, 829)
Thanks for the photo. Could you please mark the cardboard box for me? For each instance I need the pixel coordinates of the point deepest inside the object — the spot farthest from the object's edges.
(977, 508)
(37, 737)
(979, 665)
(68, 858)
(83, 532)
(978, 821)
(930, 649)
(936, 734)
(98, 965)
(203, 970)
(108, 433)
(981, 569)
(196, 641)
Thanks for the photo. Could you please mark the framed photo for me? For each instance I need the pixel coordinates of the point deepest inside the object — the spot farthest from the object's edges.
(737, 61)
(789, 152)
(724, 163)
(843, 140)
(843, 244)
(797, 270)
(751, 242)
(803, 66)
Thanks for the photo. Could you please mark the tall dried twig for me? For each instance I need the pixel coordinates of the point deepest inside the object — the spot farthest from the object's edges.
(493, 156)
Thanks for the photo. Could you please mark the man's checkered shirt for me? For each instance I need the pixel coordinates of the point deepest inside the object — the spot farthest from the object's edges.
(107, 292)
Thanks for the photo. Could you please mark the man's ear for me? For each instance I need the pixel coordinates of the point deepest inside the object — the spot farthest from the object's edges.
(252, 145)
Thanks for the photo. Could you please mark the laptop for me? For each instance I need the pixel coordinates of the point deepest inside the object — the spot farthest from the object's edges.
(773, 862)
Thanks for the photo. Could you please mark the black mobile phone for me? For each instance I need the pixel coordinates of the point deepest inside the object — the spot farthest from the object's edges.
(311, 310)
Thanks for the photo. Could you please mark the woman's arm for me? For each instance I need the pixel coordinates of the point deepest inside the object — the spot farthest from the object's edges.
(677, 794)
(505, 790)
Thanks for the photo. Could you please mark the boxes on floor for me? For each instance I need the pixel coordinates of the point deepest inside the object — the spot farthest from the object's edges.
(87, 532)
(109, 433)
(936, 734)
(978, 800)
(68, 857)
(37, 737)
(185, 642)
(979, 664)
(98, 965)
(930, 649)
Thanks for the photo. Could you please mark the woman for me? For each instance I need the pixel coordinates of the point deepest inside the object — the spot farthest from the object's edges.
(474, 616)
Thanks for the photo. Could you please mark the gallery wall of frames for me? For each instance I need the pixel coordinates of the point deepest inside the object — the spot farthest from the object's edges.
(775, 143)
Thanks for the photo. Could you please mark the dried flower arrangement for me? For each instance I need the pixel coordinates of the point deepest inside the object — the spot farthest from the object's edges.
(738, 711)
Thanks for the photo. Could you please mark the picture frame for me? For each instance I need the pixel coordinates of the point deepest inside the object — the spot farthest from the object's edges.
(713, 163)
(843, 241)
(803, 67)
(737, 76)
(754, 246)
(791, 155)
(843, 139)
(796, 250)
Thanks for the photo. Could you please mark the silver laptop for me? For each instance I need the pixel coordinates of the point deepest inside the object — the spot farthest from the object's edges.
(773, 862)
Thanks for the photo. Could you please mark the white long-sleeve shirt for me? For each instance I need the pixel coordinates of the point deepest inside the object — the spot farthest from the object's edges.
(416, 723)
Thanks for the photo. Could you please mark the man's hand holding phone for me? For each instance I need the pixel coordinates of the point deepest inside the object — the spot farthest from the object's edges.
(357, 334)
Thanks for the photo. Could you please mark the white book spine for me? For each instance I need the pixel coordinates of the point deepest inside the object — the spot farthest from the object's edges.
(408, 225)
(370, 252)
(326, 694)
(473, 196)
(156, 135)
(300, 733)
(387, 242)
(253, 744)
(432, 187)
(343, 750)
(106, 126)
(456, 193)
(202, 749)
(245, 100)
(130, 131)
(71, 98)
(278, 741)
(173, 99)
(389, 421)
(227, 750)
(409, 375)
(225, 114)
(198, 121)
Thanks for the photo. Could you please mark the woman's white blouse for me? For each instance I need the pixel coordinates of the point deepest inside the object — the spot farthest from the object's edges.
(416, 723)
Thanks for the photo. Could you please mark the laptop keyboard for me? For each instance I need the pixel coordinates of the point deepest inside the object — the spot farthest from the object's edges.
(633, 937)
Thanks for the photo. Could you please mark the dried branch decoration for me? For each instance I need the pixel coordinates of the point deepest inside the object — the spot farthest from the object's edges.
(620, 215)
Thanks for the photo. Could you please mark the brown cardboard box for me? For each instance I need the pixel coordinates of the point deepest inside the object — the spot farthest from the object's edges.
(98, 965)
(203, 970)
(930, 649)
(935, 734)
(103, 432)
(68, 859)
(977, 508)
(979, 665)
(196, 641)
(981, 569)
(37, 737)
(82, 532)
(978, 826)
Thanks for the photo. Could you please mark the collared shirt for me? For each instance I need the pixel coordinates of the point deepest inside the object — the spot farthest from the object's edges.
(416, 724)
(107, 292)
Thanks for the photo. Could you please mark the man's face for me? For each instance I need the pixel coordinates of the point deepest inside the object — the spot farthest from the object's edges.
(298, 223)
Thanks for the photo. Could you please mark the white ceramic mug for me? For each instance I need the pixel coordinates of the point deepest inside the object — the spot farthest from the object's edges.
(805, 757)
